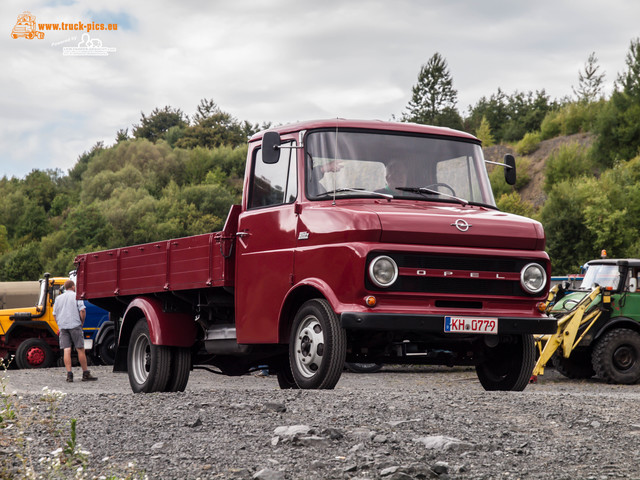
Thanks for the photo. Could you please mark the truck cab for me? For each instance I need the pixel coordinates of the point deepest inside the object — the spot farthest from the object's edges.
(31, 333)
(357, 241)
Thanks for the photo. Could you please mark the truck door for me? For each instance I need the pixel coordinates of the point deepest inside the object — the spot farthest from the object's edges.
(265, 246)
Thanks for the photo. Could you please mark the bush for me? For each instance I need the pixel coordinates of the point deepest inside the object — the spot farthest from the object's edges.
(529, 143)
(513, 203)
(569, 161)
(572, 118)
(551, 126)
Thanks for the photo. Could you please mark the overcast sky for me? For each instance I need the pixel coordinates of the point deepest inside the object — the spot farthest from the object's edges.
(280, 61)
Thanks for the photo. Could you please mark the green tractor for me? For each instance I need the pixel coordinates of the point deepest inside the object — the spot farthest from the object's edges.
(598, 325)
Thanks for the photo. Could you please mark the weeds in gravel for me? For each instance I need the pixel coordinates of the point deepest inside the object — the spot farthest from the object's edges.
(67, 461)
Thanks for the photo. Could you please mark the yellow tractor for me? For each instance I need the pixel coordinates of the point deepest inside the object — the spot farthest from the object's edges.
(598, 325)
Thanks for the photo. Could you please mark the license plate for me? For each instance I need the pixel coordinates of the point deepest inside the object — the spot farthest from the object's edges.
(470, 325)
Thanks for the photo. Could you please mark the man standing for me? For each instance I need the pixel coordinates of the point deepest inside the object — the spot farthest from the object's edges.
(70, 314)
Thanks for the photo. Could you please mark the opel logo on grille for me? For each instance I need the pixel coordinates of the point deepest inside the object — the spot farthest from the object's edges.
(461, 225)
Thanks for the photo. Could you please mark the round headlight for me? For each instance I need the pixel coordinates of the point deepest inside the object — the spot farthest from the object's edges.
(383, 271)
(533, 278)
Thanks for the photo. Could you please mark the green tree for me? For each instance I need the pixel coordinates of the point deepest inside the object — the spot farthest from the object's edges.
(433, 98)
(212, 128)
(484, 133)
(629, 80)
(4, 240)
(83, 161)
(33, 223)
(21, 264)
(122, 135)
(590, 81)
(511, 116)
(155, 126)
(569, 242)
(618, 125)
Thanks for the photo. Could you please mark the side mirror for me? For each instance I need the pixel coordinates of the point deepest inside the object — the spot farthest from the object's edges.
(271, 147)
(510, 169)
(633, 284)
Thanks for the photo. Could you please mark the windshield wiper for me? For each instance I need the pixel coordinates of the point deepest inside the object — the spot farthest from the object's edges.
(357, 190)
(429, 191)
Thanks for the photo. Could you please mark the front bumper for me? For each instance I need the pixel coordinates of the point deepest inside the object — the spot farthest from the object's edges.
(435, 323)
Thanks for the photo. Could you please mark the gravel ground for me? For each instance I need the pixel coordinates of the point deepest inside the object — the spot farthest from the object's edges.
(401, 423)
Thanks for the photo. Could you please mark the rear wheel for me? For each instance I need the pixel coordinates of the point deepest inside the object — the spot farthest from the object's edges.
(363, 367)
(577, 366)
(508, 365)
(149, 365)
(616, 356)
(34, 353)
(180, 369)
(317, 346)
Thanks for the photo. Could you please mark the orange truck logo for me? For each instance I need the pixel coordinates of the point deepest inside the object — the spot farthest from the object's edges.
(26, 27)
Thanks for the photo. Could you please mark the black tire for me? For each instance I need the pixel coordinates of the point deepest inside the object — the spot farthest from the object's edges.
(616, 356)
(508, 365)
(317, 346)
(149, 366)
(107, 348)
(363, 367)
(34, 353)
(286, 380)
(180, 369)
(577, 366)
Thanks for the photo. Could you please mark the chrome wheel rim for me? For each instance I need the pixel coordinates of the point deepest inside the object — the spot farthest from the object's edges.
(309, 346)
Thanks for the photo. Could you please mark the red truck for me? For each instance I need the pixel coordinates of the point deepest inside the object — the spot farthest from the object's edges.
(357, 241)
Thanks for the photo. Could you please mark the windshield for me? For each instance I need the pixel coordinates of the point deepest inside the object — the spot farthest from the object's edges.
(603, 275)
(352, 163)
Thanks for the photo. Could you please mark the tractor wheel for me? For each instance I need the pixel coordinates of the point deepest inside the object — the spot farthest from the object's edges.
(34, 353)
(317, 347)
(577, 366)
(508, 365)
(616, 356)
(149, 365)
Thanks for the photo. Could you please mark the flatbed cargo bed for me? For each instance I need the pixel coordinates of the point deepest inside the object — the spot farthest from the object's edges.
(186, 263)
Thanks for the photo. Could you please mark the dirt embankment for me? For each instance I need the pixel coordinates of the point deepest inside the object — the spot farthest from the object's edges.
(533, 192)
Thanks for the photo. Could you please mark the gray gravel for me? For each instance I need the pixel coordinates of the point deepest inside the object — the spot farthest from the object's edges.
(401, 423)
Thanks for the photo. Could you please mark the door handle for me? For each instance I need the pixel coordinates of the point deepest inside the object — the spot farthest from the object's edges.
(242, 234)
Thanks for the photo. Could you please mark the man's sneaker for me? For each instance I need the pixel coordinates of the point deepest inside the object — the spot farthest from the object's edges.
(69, 376)
(86, 376)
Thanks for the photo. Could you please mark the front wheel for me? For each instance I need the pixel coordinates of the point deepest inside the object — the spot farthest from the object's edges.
(577, 366)
(616, 357)
(317, 346)
(34, 353)
(149, 365)
(508, 365)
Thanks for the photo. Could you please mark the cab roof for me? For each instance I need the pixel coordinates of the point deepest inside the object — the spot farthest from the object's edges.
(366, 125)
(632, 262)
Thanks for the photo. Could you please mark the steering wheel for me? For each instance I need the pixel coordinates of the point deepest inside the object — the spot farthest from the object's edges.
(433, 186)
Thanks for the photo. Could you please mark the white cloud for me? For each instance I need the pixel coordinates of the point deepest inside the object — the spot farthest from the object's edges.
(282, 61)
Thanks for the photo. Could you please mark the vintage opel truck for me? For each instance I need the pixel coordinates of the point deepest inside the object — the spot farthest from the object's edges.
(357, 241)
